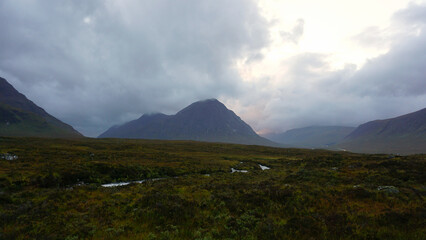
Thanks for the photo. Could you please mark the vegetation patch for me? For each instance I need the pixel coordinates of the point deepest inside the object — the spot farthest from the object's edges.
(53, 190)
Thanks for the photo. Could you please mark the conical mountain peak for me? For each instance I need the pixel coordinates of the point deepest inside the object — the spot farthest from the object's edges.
(209, 106)
(207, 120)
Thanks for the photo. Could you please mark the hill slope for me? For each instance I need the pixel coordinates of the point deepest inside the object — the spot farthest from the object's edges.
(402, 135)
(21, 117)
(207, 120)
(312, 137)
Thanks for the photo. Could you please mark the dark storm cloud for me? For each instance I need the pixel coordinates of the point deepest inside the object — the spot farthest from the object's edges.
(98, 63)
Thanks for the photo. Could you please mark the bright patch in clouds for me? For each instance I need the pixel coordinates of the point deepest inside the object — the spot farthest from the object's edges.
(316, 48)
(87, 20)
(329, 26)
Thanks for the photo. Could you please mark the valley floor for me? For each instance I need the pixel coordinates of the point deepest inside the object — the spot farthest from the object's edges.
(55, 189)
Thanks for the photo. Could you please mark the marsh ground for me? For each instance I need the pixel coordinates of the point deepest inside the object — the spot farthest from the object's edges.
(53, 190)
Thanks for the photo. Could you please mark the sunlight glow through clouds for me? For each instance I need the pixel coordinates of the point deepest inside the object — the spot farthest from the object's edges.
(329, 27)
(87, 20)
(341, 35)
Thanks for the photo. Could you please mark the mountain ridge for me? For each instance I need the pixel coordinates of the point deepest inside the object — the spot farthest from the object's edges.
(312, 136)
(21, 117)
(207, 120)
(405, 134)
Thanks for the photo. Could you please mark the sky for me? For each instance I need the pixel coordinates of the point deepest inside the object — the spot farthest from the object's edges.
(277, 64)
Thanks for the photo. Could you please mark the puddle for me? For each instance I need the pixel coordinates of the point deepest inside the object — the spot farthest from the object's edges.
(236, 170)
(264, 167)
(119, 184)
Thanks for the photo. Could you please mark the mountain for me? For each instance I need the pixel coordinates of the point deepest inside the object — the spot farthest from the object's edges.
(20, 117)
(207, 120)
(401, 135)
(311, 137)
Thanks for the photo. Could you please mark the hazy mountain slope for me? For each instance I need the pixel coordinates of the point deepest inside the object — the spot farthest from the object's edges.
(207, 120)
(143, 127)
(403, 135)
(21, 117)
(312, 137)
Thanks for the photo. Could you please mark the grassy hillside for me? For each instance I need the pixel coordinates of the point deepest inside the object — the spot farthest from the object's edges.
(392, 145)
(53, 190)
(405, 134)
(20, 117)
(18, 123)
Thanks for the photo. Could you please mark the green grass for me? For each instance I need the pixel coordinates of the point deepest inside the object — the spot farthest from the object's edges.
(307, 194)
(19, 123)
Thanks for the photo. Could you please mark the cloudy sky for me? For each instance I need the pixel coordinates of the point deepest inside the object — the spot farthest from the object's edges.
(277, 64)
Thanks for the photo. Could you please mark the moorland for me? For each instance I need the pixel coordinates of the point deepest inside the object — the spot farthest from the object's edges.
(54, 189)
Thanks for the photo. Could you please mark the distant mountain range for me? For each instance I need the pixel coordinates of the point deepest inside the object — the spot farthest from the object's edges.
(402, 135)
(21, 117)
(207, 120)
(312, 137)
(211, 121)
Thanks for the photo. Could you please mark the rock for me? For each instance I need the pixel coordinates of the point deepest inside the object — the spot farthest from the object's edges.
(8, 156)
(388, 189)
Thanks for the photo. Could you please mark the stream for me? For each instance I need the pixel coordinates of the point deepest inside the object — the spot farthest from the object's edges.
(119, 184)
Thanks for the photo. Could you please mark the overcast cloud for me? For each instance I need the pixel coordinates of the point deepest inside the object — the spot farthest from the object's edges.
(94, 64)
(296, 33)
(98, 63)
